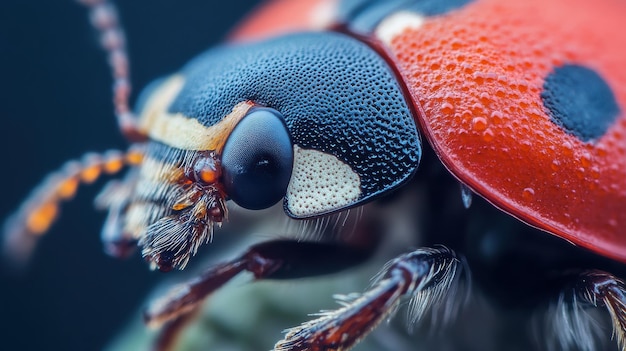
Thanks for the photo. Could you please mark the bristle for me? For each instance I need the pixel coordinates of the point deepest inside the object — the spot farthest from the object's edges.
(115, 198)
(568, 326)
(443, 300)
(411, 275)
(172, 214)
(604, 289)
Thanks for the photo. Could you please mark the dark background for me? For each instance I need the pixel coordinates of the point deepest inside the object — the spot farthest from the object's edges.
(55, 105)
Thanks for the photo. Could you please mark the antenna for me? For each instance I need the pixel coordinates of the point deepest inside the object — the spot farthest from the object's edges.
(104, 18)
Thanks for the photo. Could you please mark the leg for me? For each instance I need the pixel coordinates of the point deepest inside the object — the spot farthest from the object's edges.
(115, 199)
(425, 275)
(278, 259)
(572, 327)
(168, 336)
(602, 289)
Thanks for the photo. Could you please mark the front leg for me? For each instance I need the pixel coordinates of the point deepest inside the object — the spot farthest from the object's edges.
(424, 275)
(276, 259)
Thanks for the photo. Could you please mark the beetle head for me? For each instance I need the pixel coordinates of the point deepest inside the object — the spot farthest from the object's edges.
(317, 120)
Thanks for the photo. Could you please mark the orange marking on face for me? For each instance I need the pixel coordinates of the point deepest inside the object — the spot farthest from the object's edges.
(40, 220)
(209, 176)
(180, 206)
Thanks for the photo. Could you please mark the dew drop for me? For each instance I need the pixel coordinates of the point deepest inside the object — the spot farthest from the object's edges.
(585, 160)
(466, 115)
(567, 145)
(488, 135)
(485, 98)
(566, 148)
(496, 116)
(522, 86)
(528, 193)
(447, 108)
(466, 196)
(555, 165)
(479, 124)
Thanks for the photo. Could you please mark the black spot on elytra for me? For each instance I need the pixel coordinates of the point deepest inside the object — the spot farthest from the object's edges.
(364, 15)
(579, 101)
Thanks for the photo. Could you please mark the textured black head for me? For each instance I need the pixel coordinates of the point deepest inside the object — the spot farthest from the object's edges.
(580, 101)
(353, 134)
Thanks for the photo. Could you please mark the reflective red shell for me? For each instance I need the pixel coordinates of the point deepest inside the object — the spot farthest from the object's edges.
(477, 73)
(286, 16)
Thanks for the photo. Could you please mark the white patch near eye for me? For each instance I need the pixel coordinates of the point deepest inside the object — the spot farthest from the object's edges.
(397, 23)
(320, 183)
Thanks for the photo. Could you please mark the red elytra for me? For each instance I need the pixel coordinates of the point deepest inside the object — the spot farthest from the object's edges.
(278, 17)
(476, 75)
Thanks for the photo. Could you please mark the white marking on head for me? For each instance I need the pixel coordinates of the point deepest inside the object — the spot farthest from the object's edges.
(179, 131)
(320, 183)
(397, 23)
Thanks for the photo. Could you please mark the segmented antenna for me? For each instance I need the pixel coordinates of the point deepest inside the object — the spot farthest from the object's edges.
(105, 19)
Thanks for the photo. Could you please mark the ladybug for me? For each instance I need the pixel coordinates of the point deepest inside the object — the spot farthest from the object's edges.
(338, 111)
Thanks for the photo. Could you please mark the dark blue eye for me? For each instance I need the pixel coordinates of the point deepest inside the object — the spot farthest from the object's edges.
(257, 159)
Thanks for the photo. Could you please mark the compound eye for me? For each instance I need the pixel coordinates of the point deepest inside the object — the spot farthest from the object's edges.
(257, 159)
